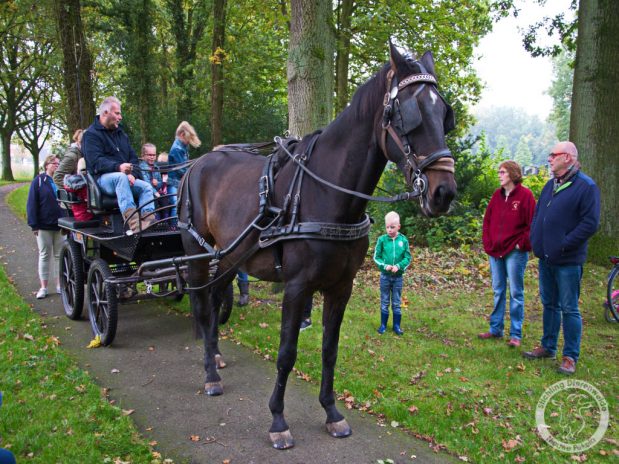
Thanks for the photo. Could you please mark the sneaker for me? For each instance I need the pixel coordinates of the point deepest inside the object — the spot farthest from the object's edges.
(537, 353)
(487, 335)
(306, 324)
(58, 290)
(513, 343)
(568, 366)
(42, 293)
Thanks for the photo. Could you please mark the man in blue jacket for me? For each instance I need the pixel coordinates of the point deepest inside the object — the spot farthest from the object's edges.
(566, 216)
(109, 158)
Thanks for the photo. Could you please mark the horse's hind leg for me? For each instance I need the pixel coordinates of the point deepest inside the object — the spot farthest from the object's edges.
(206, 321)
(294, 300)
(333, 313)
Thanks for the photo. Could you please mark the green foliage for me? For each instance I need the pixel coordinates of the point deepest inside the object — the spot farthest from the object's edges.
(536, 182)
(521, 135)
(561, 93)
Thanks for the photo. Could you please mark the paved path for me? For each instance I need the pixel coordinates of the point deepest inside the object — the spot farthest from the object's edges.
(161, 377)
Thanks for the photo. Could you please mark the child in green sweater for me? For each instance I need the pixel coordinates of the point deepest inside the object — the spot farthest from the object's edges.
(392, 256)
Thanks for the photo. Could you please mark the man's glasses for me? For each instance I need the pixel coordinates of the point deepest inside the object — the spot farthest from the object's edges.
(552, 156)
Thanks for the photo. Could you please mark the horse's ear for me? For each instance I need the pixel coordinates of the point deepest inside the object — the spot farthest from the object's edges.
(396, 59)
(428, 61)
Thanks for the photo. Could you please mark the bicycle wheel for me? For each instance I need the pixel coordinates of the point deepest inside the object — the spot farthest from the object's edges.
(612, 294)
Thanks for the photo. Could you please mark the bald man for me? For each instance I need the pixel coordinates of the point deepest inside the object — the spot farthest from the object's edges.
(566, 216)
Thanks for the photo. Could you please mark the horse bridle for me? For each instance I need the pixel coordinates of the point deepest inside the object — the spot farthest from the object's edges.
(415, 165)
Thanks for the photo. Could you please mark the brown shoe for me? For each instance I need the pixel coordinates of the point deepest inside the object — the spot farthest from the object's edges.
(537, 353)
(487, 335)
(132, 219)
(568, 366)
(513, 343)
(147, 220)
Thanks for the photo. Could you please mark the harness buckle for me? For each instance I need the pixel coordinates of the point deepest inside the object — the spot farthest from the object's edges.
(386, 117)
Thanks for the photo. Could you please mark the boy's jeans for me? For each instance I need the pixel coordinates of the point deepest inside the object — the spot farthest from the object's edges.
(390, 289)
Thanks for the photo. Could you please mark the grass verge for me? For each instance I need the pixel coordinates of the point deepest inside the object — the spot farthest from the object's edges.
(53, 412)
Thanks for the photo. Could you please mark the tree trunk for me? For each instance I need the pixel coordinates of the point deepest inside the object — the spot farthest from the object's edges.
(7, 172)
(595, 112)
(343, 54)
(77, 64)
(310, 66)
(188, 23)
(217, 70)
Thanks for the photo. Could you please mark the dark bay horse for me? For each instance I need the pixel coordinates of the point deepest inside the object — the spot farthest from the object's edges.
(398, 115)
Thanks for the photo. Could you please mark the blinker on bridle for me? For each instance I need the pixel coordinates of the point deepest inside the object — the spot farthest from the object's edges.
(415, 164)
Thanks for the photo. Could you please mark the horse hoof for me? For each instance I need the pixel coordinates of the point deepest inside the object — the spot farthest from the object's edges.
(282, 440)
(339, 429)
(213, 388)
(219, 361)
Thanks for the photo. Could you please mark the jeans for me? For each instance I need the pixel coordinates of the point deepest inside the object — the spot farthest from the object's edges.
(559, 288)
(117, 184)
(173, 190)
(390, 289)
(510, 267)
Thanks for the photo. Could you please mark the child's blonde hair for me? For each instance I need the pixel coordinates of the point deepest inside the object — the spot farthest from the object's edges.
(186, 130)
(392, 216)
(163, 157)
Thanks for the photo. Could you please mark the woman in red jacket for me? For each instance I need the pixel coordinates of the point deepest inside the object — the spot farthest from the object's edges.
(507, 223)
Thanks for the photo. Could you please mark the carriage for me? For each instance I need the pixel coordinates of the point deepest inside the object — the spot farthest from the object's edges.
(101, 258)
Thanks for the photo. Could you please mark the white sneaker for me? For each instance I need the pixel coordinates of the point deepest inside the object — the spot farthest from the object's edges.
(42, 293)
(58, 290)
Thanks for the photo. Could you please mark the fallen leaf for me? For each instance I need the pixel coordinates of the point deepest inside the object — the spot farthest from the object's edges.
(510, 444)
(194, 437)
(95, 342)
(413, 409)
(263, 325)
(128, 412)
(487, 411)
(579, 457)
(115, 371)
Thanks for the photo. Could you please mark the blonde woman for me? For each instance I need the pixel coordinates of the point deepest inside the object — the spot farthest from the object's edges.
(43, 213)
(179, 153)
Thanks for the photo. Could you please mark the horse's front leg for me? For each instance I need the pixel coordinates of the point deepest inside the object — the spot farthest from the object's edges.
(333, 312)
(206, 321)
(279, 433)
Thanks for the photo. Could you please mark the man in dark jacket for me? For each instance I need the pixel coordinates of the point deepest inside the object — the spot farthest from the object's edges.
(567, 215)
(109, 158)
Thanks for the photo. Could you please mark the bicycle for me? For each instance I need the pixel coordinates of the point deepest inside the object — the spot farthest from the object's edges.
(611, 305)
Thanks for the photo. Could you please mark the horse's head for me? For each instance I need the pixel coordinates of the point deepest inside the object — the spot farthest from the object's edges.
(415, 120)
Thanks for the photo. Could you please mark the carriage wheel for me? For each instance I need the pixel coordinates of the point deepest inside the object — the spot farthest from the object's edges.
(226, 305)
(102, 302)
(72, 279)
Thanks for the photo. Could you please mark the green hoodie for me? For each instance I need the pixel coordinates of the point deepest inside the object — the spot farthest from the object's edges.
(392, 251)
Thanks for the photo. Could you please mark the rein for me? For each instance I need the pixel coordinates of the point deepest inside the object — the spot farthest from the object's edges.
(392, 199)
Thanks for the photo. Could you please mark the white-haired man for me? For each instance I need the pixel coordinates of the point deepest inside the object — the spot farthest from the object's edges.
(109, 158)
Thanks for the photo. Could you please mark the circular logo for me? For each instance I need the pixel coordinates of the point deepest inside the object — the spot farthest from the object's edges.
(572, 415)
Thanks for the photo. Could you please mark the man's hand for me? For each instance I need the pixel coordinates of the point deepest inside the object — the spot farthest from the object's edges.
(131, 179)
(126, 168)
